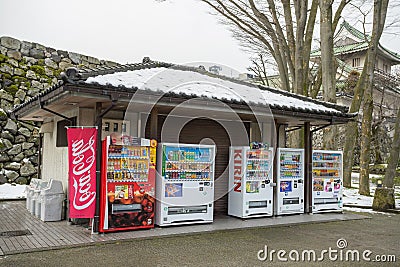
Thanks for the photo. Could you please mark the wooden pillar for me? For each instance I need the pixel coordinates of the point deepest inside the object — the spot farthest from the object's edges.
(307, 168)
(153, 123)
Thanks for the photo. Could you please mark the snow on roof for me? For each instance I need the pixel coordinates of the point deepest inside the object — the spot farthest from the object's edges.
(169, 80)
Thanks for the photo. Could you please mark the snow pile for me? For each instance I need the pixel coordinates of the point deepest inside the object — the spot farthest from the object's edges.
(166, 80)
(12, 191)
(351, 196)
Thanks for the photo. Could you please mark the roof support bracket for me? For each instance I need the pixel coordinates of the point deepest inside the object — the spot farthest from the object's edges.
(294, 129)
(55, 113)
(322, 127)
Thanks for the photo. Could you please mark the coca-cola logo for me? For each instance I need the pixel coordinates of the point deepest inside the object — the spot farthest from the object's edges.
(83, 159)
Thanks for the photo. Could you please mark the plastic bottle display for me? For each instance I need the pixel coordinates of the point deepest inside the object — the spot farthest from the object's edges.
(187, 163)
(290, 164)
(127, 163)
(258, 164)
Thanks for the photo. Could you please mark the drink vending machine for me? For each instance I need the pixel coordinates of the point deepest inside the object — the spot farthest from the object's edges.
(185, 184)
(250, 181)
(127, 199)
(327, 173)
(290, 181)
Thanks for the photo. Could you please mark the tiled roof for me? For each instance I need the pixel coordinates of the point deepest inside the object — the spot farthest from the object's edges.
(343, 49)
(180, 80)
(360, 45)
(356, 33)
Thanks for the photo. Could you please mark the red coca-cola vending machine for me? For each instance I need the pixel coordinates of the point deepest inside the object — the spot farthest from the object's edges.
(127, 199)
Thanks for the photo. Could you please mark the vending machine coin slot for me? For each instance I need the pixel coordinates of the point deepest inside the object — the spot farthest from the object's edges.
(291, 201)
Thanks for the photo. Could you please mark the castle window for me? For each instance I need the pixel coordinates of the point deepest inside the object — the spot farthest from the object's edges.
(356, 62)
(385, 68)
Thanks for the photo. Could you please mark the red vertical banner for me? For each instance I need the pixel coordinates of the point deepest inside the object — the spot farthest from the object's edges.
(82, 172)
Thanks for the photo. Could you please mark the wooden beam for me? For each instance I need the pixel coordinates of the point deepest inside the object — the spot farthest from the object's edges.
(153, 123)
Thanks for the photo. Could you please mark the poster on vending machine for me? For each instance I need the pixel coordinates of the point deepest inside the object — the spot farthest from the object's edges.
(318, 184)
(252, 187)
(286, 186)
(173, 190)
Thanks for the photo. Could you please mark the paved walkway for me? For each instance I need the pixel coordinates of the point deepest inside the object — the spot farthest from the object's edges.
(38, 235)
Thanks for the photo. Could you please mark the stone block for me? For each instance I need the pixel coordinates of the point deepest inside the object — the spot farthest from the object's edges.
(10, 43)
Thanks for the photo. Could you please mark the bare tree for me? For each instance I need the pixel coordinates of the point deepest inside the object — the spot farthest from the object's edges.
(285, 29)
(394, 155)
(384, 197)
(363, 94)
(259, 68)
(328, 68)
(380, 10)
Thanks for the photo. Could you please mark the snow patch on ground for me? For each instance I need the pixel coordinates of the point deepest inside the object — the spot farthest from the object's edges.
(12, 191)
(351, 195)
(365, 210)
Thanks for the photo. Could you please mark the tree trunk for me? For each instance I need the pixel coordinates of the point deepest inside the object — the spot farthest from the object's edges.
(365, 145)
(365, 81)
(380, 10)
(327, 66)
(351, 135)
(394, 155)
(383, 199)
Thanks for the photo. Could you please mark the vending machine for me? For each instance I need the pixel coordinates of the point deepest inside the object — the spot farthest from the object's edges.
(327, 173)
(185, 184)
(127, 199)
(250, 182)
(290, 181)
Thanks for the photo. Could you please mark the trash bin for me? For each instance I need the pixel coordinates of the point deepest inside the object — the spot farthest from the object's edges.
(52, 198)
(35, 197)
(29, 191)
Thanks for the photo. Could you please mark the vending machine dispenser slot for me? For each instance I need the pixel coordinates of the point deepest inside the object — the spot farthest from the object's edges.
(326, 200)
(258, 204)
(121, 208)
(290, 201)
(187, 210)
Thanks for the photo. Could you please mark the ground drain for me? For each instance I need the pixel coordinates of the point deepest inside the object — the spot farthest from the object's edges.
(15, 233)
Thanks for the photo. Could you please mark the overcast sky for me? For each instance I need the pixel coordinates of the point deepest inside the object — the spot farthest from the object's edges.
(176, 31)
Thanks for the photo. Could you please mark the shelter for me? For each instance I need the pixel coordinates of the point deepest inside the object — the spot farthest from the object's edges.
(173, 103)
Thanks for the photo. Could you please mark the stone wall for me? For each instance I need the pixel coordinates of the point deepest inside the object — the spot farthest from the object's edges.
(25, 70)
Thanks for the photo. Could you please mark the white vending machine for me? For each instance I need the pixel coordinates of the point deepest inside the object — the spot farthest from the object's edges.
(327, 174)
(290, 181)
(250, 182)
(185, 184)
